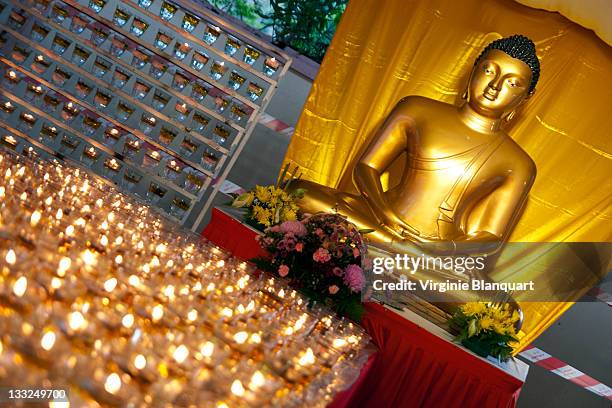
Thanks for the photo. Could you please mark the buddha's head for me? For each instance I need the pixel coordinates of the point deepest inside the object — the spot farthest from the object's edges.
(504, 76)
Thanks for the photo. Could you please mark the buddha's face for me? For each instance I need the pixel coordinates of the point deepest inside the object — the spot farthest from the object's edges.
(499, 84)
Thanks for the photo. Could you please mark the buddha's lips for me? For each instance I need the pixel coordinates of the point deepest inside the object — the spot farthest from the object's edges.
(490, 96)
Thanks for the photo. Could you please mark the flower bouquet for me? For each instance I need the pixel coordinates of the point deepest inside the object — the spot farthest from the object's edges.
(321, 256)
(485, 329)
(269, 205)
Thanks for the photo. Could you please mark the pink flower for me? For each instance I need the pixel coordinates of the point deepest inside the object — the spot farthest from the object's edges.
(299, 246)
(275, 228)
(354, 278)
(333, 289)
(283, 270)
(295, 227)
(321, 255)
(356, 252)
(338, 271)
(319, 232)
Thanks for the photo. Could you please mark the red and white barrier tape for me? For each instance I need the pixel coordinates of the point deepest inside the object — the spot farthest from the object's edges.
(277, 125)
(552, 364)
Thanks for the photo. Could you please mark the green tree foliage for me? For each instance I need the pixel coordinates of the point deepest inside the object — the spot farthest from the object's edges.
(305, 25)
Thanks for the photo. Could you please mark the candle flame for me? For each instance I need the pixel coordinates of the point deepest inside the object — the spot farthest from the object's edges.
(10, 257)
(20, 286)
(48, 340)
(112, 383)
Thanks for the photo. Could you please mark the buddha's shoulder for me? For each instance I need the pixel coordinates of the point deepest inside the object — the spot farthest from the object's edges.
(415, 104)
(518, 159)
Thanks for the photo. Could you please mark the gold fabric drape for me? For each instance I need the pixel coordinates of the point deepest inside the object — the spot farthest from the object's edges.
(384, 50)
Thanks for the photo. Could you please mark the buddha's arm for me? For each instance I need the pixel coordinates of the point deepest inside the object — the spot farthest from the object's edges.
(494, 217)
(390, 141)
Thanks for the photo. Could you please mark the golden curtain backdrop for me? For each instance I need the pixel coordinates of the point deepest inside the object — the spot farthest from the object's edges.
(385, 50)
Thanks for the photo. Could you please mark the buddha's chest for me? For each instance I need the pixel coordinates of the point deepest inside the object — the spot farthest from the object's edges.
(442, 142)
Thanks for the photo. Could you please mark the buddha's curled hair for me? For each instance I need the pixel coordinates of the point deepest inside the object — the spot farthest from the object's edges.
(519, 47)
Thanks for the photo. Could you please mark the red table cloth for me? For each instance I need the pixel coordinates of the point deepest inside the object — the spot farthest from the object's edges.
(413, 367)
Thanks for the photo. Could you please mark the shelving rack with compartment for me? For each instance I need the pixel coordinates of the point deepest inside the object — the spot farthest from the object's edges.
(158, 97)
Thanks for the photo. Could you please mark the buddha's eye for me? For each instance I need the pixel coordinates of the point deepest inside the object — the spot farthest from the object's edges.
(488, 70)
(513, 84)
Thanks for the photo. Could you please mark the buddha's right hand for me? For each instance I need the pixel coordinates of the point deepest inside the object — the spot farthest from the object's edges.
(394, 225)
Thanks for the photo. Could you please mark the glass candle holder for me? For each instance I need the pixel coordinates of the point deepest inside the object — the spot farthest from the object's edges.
(111, 136)
(194, 181)
(19, 54)
(111, 167)
(124, 111)
(42, 5)
(147, 123)
(221, 104)
(10, 141)
(82, 89)
(235, 80)
(90, 155)
(40, 64)
(160, 100)
(33, 93)
(121, 17)
(50, 102)
(181, 50)
(7, 109)
(181, 111)
(131, 178)
(131, 148)
(69, 144)
(172, 170)
(78, 24)
(254, 91)
(58, 13)
(11, 78)
(211, 34)
(60, 77)
(167, 11)
(59, 45)
(151, 158)
(179, 81)
(118, 46)
(140, 90)
(188, 147)
(26, 121)
(158, 69)
(38, 33)
(190, 23)
(199, 122)
(232, 45)
(139, 59)
(120, 78)
(199, 60)
(80, 55)
(220, 135)
(155, 193)
(97, 5)
(199, 92)
(16, 19)
(270, 66)
(98, 36)
(69, 112)
(138, 27)
(217, 70)
(162, 40)
(145, 4)
(209, 161)
(102, 100)
(90, 125)
(166, 136)
(178, 207)
(48, 133)
(250, 55)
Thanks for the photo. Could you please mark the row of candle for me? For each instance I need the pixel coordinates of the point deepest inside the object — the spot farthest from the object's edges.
(118, 304)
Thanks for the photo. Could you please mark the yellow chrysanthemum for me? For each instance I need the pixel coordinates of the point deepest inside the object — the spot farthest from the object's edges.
(262, 194)
(486, 323)
(473, 308)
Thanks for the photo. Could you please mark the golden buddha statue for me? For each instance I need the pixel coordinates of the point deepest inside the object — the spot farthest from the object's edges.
(464, 180)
